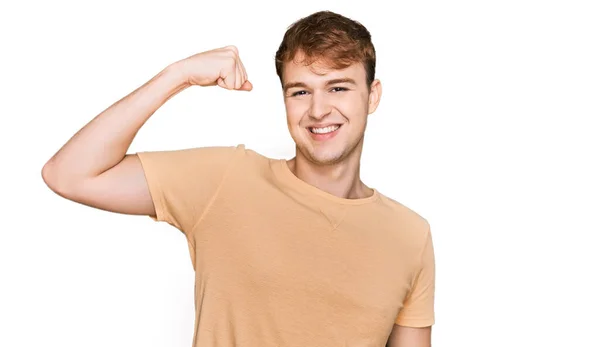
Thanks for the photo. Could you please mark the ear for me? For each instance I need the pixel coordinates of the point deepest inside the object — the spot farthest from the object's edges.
(374, 95)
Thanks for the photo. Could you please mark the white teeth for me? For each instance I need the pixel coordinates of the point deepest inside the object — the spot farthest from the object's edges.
(324, 130)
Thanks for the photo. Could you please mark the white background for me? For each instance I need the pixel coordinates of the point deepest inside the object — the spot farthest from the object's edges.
(488, 127)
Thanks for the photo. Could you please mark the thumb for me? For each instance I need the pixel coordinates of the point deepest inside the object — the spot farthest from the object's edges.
(221, 83)
(246, 86)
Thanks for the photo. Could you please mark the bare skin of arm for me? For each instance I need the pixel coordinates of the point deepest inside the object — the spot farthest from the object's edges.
(93, 167)
(409, 337)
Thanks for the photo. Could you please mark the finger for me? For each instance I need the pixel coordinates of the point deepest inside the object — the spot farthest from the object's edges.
(230, 76)
(239, 76)
(221, 83)
(244, 73)
(232, 52)
(246, 86)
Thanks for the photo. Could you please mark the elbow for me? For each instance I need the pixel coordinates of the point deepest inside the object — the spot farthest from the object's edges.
(48, 176)
(54, 179)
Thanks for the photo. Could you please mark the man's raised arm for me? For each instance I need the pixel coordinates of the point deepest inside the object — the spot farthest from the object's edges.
(93, 168)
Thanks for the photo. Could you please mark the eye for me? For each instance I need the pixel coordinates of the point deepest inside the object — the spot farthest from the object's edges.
(300, 92)
(339, 89)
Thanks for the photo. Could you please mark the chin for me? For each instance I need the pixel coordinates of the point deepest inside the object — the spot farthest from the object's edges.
(326, 160)
(323, 157)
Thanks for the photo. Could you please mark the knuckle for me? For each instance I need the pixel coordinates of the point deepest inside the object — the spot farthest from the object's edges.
(233, 49)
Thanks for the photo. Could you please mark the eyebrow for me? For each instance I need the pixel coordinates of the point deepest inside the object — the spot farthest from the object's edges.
(328, 83)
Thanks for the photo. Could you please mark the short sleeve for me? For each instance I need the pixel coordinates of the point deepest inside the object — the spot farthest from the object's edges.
(418, 310)
(184, 182)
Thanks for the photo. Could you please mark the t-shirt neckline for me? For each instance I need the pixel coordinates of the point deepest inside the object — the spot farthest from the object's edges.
(285, 174)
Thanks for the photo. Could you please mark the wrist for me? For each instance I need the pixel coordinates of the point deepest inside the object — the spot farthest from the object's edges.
(177, 73)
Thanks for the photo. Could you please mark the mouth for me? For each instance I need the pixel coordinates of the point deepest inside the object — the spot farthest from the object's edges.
(324, 133)
(324, 130)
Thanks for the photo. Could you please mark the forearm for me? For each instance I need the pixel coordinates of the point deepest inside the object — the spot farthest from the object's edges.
(409, 337)
(104, 141)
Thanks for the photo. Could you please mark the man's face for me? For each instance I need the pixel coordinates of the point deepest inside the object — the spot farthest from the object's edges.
(327, 109)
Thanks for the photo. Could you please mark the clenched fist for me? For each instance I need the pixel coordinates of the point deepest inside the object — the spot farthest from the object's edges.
(221, 66)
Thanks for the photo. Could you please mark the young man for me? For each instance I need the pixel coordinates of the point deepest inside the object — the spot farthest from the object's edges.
(293, 252)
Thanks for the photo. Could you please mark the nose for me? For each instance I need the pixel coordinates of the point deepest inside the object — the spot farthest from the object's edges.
(320, 106)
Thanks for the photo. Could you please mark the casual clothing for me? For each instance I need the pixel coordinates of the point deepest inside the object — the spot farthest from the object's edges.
(279, 262)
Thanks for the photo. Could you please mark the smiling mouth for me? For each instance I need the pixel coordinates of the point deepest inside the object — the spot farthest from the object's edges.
(325, 130)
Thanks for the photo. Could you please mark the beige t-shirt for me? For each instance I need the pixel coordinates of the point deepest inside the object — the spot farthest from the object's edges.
(279, 262)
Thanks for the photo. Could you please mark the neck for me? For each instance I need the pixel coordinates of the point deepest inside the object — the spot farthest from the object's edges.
(341, 179)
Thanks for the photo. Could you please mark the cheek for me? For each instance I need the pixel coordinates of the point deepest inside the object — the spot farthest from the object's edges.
(353, 108)
(352, 99)
(294, 111)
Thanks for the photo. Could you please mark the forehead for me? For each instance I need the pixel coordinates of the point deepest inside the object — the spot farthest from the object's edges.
(319, 71)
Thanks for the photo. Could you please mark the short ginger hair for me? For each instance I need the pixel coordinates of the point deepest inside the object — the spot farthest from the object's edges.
(329, 38)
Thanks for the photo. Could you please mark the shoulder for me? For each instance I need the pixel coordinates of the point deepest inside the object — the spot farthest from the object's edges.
(251, 159)
(233, 155)
(403, 219)
(192, 156)
(250, 166)
(402, 212)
